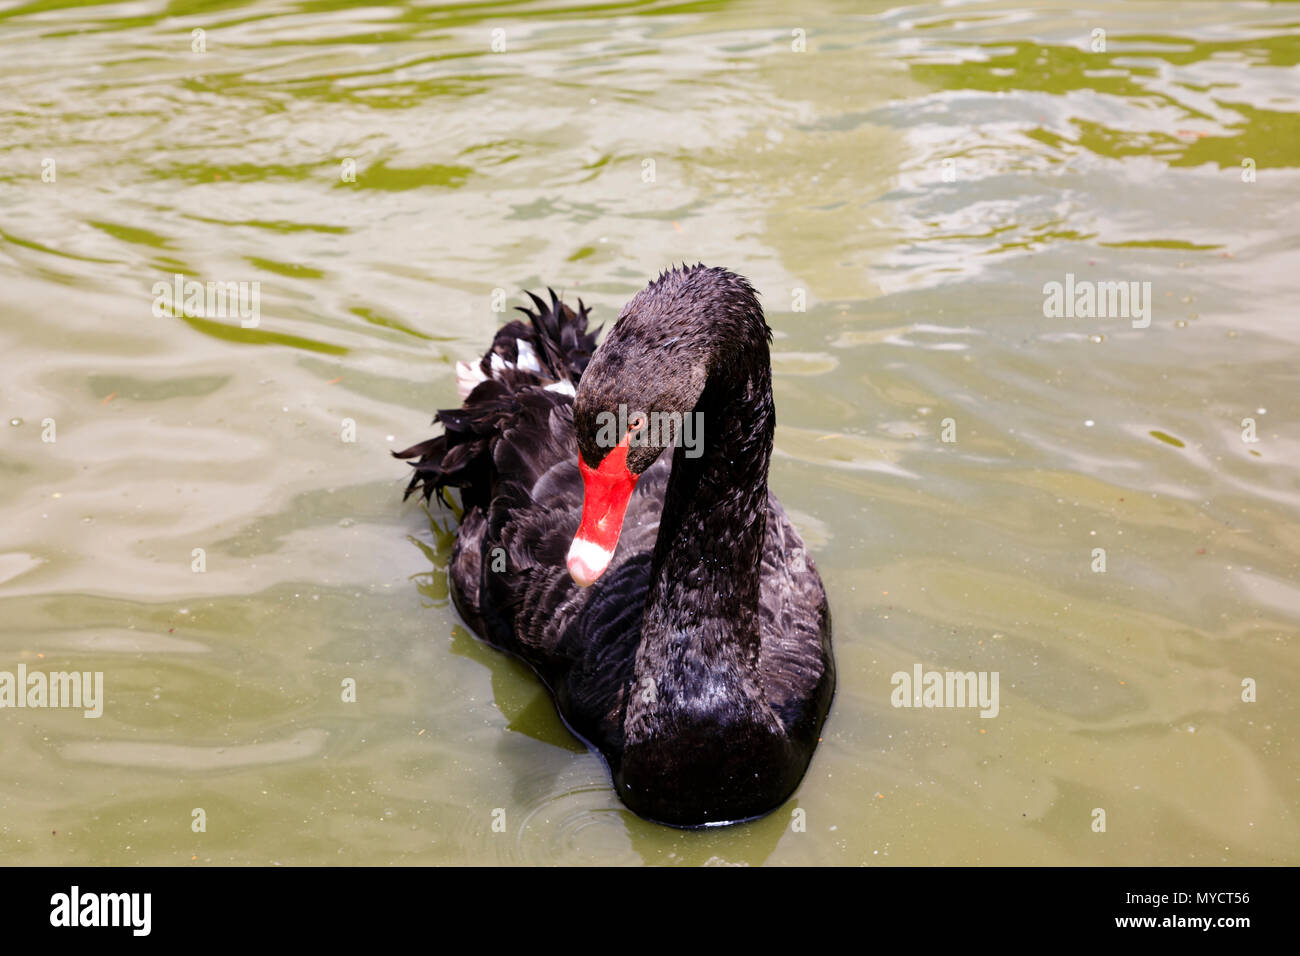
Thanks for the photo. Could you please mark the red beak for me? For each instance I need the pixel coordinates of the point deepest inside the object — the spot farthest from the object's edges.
(606, 491)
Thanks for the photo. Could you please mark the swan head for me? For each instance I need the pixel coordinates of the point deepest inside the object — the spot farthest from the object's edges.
(641, 392)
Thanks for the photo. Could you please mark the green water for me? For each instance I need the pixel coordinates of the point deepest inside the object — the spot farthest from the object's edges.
(820, 171)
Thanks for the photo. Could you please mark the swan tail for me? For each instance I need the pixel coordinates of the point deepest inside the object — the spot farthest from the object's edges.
(549, 351)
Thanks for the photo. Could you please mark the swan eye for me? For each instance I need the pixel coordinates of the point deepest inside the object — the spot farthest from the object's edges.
(636, 424)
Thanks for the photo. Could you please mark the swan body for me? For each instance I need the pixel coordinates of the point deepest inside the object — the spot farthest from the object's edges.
(647, 575)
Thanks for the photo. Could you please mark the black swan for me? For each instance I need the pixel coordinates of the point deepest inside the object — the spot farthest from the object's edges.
(692, 651)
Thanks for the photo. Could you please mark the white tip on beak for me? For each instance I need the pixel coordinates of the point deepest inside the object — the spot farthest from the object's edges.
(587, 561)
